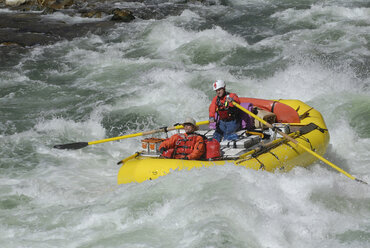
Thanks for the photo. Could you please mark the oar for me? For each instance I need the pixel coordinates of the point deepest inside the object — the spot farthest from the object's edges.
(128, 158)
(79, 145)
(299, 144)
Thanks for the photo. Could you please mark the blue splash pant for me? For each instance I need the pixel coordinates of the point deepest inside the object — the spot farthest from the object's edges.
(227, 130)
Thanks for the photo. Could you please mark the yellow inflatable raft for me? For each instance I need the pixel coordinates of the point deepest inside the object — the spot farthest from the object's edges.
(272, 152)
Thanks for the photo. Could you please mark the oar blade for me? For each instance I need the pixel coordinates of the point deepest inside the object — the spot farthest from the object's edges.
(72, 146)
(358, 180)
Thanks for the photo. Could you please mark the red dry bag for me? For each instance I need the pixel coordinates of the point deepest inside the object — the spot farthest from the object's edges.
(212, 149)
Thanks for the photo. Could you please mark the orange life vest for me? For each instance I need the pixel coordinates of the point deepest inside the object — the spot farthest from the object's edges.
(182, 145)
(185, 145)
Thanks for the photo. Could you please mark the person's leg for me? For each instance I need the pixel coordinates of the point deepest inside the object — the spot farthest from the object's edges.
(220, 130)
(217, 136)
(231, 128)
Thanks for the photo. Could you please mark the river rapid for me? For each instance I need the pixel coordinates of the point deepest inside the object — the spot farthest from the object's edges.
(147, 74)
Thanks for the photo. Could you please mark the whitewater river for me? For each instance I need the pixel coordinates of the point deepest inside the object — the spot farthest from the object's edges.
(150, 73)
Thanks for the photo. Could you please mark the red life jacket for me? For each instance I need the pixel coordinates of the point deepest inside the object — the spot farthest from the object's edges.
(225, 112)
(184, 146)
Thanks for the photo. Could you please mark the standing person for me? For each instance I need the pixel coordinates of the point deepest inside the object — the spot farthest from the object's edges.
(188, 145)
(228, 119)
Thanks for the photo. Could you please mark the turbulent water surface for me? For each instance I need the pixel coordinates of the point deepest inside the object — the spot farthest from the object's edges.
(150, 73)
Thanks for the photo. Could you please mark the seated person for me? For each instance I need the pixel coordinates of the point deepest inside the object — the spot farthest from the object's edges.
(188, 145)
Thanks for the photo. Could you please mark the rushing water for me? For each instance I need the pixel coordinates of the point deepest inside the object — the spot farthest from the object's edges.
(151, 73)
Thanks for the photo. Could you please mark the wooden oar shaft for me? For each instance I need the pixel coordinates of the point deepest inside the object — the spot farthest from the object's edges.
(129, 136)
(79, 145)
(115, 138)
(297, 143)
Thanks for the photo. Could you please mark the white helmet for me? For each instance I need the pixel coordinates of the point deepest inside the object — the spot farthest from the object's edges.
(219, 84)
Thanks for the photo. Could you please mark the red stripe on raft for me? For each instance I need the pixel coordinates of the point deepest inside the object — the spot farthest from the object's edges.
(283, 112)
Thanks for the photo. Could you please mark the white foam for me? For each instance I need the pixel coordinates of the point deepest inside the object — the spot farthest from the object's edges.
(168, 38)
(72, 129)
(5, 10)
(188, 15)
(59, 16)
(296, 80)
(319, 14)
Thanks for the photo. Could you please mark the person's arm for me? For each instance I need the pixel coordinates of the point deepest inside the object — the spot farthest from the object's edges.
(212, 109)
(168, 143)
(199, 149)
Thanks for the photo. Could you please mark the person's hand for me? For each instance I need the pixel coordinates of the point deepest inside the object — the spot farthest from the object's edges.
(229, 99)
